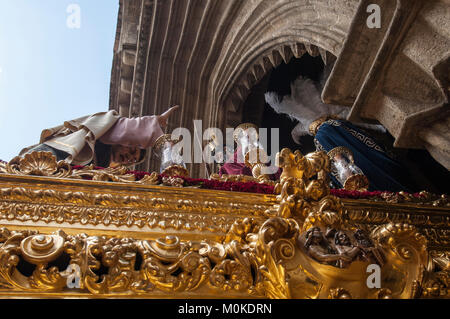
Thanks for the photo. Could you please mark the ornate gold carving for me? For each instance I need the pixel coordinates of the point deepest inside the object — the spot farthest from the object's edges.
(254, 259)
(423, 198)
(356, 182)
(297, 192)
(233, 178)
(175, 170)
(315, 125)
(44, 164)
(173, 181)
(384, 294)
(119, 174)
(436, 283)
(240, 178)
(275, 246)
(109, 174)
(327, 238)
(217, 243)
(38, 164)
(41, 248)
(393, 235)
(406, 256)
(303, 167)
(186, 209)
(255, 159)
(167, 264)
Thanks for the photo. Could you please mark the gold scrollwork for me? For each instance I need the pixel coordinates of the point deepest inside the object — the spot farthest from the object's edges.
(399, 249)
(298, 192)
(314, 246)
(45, 164)
(37, 164)
(240, 178)
(129, 265)
(254, 259)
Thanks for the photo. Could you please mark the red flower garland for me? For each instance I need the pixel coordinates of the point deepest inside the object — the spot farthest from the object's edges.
(342, 193)
(252, 187)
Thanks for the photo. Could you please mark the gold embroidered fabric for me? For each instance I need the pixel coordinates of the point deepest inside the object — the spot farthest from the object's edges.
(315, 125)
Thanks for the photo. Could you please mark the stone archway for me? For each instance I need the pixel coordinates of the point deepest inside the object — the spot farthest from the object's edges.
(266, 34)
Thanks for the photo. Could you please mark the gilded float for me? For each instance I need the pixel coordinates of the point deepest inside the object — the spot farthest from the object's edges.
(112, 236)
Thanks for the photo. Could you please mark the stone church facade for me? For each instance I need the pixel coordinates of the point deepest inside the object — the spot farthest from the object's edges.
(207, 55)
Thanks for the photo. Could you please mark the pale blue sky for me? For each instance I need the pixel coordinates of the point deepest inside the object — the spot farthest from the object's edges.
(48, 72)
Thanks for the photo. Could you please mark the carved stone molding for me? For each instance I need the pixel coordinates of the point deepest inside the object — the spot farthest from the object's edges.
(395, 74)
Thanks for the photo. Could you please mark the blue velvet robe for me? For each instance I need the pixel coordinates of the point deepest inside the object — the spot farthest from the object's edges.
(384, 173)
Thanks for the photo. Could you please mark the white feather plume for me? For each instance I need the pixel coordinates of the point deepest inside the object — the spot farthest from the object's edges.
(305, 105)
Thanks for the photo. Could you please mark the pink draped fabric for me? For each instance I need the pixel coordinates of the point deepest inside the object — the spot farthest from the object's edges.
(235, 168)
(141, 132)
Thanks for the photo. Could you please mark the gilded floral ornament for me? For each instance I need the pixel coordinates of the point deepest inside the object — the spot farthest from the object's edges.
(37, 164)
(436, 283)
(327, 213)
(39, 249)
(329, 249)
(304, 243)
(255, 159)
(358, 182)
(45, 164)
(405, 248)
(166, 264)
(275, 246)
(423, 198)
(299, 194)
(172, 181)
(117, 174)
(176, 170)
(264, 260)
(232, 178)
(240, 178)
